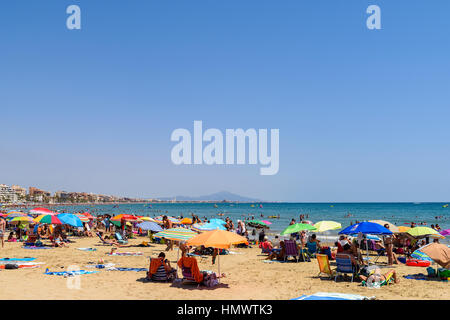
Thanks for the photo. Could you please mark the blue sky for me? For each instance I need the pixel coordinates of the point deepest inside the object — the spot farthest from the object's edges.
(363, 115)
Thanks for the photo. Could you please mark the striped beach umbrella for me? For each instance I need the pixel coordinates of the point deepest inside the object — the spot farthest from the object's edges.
(177, 234)
(88, 215)
(24, 219)
(48, 219)
(15, 214)
(148, 225)
(82, 217)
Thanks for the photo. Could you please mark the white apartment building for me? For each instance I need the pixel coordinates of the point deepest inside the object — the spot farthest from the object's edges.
(7, 194)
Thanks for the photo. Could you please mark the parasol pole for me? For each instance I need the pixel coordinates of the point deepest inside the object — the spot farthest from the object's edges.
(218, 260)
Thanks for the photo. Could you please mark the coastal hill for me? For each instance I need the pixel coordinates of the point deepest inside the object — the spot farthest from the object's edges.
(218, 196)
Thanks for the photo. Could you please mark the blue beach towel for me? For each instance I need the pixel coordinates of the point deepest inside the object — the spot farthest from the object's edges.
(17, 259)
(129, 269)
(70, 273)
(34, 247)
(87, 249)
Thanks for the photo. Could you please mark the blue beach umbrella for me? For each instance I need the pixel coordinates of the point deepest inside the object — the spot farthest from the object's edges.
(217, 221)
(148, 225)
(70, 219)
(207, 227)
(366, 228)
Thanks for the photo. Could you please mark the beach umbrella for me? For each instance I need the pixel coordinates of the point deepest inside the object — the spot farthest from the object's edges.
(70, 219)
(176, 234)
(48, 219)
(438, 252)
(24, 219)
(41, 211)
(186, 221)
(332, 296)
(323, 226)
(403, 229)
(147, 219)
(257, 223)
(15, 214)
(420, 255)
(218, 221)
(366, 228)
(124, 217)
(207, 227)
(88, 215)
(82, 217)
(392, 227)
(445, 232)
(148, 225)
(297, 227)
(219, 239)
(420, 232)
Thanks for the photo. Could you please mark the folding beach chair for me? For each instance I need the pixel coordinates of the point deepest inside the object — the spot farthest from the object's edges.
(312, 248)
(324, 265)
(380, 252)
(344, 266)
(120, 239)
(291, 250)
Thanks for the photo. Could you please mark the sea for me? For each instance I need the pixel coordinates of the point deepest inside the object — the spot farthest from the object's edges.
(399, 214)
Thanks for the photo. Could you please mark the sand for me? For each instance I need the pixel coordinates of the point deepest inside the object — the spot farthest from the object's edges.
(247, 277)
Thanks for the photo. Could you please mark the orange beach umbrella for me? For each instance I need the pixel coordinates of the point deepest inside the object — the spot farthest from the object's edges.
(220, 239)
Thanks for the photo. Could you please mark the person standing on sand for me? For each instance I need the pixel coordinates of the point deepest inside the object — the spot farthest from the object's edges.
(2, 230)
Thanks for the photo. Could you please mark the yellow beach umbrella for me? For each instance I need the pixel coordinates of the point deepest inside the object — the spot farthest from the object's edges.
(392, 226)
(422, 232)
(323, 226)
(403, 229)
(147, 219)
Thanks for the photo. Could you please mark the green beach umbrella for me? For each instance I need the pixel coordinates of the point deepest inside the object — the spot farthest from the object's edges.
(257, 223)
(294, 228)
(323, 226)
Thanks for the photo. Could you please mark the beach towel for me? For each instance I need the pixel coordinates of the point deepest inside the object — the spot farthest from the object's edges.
(155, 263)
(87, 249)
(17, 266)
(34, 247)
(69, 273)
(333, 296)
(101, 266)
(125, 254)
(420, 276)
(128, 269)
(17, 259)
(191, 263)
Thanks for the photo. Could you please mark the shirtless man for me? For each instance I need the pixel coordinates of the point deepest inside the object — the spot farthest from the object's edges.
(2, 229)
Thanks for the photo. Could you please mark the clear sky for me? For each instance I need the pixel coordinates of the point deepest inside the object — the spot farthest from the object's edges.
(364, 115)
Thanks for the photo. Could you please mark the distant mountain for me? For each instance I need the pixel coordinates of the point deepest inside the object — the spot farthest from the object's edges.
(219, 196)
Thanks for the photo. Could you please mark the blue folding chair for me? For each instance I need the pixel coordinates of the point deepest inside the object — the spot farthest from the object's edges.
(344, 266)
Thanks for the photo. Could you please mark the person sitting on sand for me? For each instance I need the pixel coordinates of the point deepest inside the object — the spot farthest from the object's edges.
(59, 243)
(11, 237)
(266, 245)
(377, 276)
(154, 269)
(279, 255)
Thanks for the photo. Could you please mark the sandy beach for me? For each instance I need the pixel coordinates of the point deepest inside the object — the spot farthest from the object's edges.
(247, 277)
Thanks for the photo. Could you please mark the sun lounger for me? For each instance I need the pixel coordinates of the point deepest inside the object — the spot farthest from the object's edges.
(324, 265)
(291, 250)
(344, 266)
